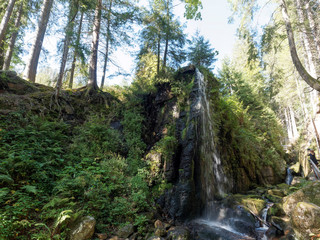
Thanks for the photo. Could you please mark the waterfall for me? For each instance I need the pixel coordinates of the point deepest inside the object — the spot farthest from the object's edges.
(213, 179)
(289, 176)
(261, 231)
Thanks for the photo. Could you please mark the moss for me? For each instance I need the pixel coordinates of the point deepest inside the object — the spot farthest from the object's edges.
(252, 202)
(276, 210)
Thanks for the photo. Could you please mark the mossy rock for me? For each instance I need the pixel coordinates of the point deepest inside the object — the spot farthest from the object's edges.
(273, 198)
(11, 83)
(276, 210)
(310, 193)
(277, 192)
(251, 202)
(305, 218)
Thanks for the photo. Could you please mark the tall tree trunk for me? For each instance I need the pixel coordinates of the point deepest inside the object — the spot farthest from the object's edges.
(92, 82)
(311, 38)
(5, 19)
(306, 38)
(13, 39)
(312, 82)
(158, 53)
(288, 124)
(293, 124)
(167, 37)
(107, 46)
(316, 134)
(73, 66)
(314, 27)
(73, 10)
(32, 65)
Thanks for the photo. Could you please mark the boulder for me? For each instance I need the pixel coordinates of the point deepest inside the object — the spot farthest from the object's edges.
(310, 193)
(178, 233)
(160, 230)
(84, 229)
(306, 219)
(125, 231)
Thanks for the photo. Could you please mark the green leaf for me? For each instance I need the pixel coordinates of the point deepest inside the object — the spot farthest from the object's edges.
(30, 189)
(6, 179)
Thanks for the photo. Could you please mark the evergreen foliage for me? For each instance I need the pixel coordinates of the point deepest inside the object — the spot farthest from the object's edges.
(200, 52)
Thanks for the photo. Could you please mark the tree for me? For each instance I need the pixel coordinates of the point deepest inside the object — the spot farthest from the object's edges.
(161, 29)
(92, 81)
(247, 9)
(32, 64)
(76, 51)
(73, 11)
(108, 35)
(13, 38)
(5, 19)
(200, 52)
(117, 17)
(311, 81)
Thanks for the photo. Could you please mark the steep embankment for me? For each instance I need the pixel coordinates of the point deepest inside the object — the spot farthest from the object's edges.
(77, 156)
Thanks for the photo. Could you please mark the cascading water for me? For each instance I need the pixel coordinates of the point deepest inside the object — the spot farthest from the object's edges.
(213, 180)
(261, 230)
(218, 222)
(289, 176)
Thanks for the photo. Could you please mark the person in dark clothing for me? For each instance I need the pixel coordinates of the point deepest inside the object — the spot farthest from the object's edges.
(312, 156)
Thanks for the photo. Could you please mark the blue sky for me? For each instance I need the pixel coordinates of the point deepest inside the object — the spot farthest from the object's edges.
(213, 26)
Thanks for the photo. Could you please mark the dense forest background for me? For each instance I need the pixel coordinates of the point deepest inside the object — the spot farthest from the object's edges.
(60, 162)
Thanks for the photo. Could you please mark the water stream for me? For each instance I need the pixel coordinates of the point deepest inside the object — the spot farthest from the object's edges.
(289, 176)
(218, 222)
(213, 179)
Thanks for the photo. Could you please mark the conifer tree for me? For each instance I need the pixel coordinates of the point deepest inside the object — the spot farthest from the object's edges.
(32, 64)
(200, 52)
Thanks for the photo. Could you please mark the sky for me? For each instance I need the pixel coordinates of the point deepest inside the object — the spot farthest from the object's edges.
(213, 26)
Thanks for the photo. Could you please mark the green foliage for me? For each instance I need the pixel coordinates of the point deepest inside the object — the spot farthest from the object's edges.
(250, 127)
(200, 52)
(52, 172)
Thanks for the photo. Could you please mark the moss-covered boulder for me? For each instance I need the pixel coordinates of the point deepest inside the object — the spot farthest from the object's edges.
(310, 194)
(250, 202)
(305, 219)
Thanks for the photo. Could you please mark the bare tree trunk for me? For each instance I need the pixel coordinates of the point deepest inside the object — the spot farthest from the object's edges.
(107, 46)
(316, 134)
(92, 82)
(158, 53)
(306, 38)
(312, 82)
(5, 19)
(302, 101)
(69, 28)
(293, 124)
(32, 65)
(73, 66)
(288, 124)
(314, 27)
(167, 38)
(13, 39)
(311, 38)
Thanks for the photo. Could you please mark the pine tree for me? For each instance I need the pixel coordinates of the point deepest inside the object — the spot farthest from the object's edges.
(200, 52)
(31, 68)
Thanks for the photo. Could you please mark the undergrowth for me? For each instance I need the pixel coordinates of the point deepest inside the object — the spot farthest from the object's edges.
(52, 171)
